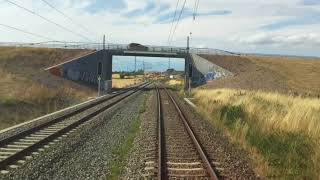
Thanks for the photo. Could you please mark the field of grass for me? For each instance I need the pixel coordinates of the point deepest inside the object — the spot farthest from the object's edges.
(127, 81)
(27, 92)
(173, 82)
(280, 132)
(123, 83)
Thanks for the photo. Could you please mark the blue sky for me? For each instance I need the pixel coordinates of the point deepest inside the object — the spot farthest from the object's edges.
(311, 2)
(97, 6)
(280, 26)
(124, 63)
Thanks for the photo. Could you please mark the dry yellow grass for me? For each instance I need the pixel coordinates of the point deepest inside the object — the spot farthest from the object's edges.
(296, 76)
(280, 132)
(173, 82)
(115, 76)
(270, 110)
(122, 83)
(22, 95)
(301, 75)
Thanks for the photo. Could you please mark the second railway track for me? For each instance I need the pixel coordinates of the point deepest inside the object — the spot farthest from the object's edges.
(179, 153)
(15, 149)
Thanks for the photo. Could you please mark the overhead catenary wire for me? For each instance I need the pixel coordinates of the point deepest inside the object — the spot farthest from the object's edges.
(27, 32)
(175, 28)
(195, 12)
(68, 17)
(48, 20)
(174, 17)
(195, 9)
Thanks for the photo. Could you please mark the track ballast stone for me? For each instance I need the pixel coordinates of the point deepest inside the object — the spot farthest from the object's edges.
(233, 163)
(87, 152)
(145, 145)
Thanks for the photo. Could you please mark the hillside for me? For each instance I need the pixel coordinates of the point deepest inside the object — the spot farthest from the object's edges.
(271, 109)
(285, 75)
(27, 91)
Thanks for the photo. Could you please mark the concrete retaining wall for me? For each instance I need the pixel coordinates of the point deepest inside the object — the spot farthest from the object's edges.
(85, 69)
(206, 70)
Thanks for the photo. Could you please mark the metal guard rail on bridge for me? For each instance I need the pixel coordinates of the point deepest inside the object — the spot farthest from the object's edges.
(99, 46)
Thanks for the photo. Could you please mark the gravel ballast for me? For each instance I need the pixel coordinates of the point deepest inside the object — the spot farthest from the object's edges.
(145, 145)
(232, 162)
(87, 152)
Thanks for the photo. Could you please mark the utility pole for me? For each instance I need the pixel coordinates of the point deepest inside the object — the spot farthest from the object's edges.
(143, 72)
(189, 67)
(188, 43)
(135, 69)
(99, 85)
(104, 42)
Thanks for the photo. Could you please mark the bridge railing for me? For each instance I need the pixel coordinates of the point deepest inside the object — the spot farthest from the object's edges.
(99, 46)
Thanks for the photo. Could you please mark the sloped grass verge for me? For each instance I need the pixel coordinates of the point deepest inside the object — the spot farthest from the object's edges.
(277, 153)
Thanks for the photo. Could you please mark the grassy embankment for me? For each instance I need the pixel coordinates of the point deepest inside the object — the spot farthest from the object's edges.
(26, 91)
(296, 76)
(122, 152)
(280, 132)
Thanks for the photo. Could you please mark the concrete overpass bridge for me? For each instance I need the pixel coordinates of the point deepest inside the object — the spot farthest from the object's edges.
(99, 63)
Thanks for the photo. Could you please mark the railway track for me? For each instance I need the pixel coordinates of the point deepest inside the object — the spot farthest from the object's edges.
(17, 148)
(179, 153)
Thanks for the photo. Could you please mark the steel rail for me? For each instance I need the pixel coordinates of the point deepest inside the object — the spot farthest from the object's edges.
(20, 154)
(209, 168)
(161, 171)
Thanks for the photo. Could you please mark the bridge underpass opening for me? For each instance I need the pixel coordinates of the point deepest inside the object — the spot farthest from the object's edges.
(130, 70)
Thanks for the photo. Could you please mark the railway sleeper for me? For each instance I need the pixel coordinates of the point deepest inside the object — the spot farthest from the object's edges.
(6, 149)
(4, 153)
(17, 146)
(23, 143)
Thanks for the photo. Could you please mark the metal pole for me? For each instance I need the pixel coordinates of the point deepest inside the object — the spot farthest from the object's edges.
(188, 43)
(189, 68)
(189, 90)
(135, 68)
(104, 42)
(143, 72)
(99, 85)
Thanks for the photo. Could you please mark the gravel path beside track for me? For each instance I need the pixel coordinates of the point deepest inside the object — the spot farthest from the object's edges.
(145, 144)
(87, 152)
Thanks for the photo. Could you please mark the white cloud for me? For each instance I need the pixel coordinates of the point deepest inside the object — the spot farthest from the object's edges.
(311, 39)
(239, 31)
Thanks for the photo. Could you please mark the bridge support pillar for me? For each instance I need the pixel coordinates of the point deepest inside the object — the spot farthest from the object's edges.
(106, 71)
(187, 63)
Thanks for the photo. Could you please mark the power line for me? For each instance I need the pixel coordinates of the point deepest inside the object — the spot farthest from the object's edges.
(68, 17)
(48, 20)
(174, 17)
(184, 4)
(26, 32)
(195, 9)
(195, 12)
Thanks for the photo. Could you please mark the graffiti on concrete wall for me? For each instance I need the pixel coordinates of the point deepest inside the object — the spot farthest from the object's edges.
(89, 77)
(206, 71)
(76, 75)
(209, 76)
